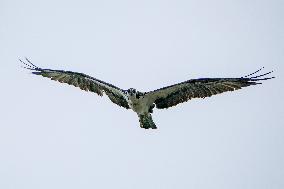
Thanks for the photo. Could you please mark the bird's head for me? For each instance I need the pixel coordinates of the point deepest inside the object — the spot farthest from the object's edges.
(131, 91)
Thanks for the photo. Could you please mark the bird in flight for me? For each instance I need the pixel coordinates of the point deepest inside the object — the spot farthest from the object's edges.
(143, 103)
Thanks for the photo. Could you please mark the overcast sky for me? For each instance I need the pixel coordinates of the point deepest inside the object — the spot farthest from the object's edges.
(56, 136)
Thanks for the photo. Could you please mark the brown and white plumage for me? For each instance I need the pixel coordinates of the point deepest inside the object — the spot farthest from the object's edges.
(200, 88)
(83, 81)
(143, 103)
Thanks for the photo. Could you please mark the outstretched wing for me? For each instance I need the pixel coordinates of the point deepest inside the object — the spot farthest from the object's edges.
(200, 88)
(84, 82)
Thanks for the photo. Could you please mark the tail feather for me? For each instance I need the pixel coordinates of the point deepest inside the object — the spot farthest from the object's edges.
(146, 121)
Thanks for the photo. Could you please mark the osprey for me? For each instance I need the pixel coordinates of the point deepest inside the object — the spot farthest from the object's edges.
(143, 102)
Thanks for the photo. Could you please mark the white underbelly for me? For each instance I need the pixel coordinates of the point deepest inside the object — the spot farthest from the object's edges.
(139, 105)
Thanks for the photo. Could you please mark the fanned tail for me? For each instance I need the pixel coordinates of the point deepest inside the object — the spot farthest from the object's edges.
(146, 121)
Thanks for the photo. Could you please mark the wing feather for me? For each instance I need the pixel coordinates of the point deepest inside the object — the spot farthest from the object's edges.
(83, 81)
(200, 88)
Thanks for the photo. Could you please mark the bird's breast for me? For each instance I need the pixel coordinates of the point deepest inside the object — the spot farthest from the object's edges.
(138, 105)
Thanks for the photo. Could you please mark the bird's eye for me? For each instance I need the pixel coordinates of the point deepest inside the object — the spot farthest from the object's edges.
(131, 90)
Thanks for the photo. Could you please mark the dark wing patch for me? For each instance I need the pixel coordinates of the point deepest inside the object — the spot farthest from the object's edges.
(83, 81)
(200, 88)
(117, 99)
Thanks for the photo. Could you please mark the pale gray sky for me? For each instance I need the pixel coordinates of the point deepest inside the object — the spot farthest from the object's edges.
(56, 136)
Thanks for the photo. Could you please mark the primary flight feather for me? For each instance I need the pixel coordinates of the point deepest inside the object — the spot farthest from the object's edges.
(143, 102)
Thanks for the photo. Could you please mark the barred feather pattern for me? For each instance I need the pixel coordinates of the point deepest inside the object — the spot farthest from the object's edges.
(146, 121)
(83, 81)
(200, 88)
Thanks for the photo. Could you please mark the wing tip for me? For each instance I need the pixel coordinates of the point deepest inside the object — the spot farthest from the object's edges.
(261, 77)
(27, 64)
